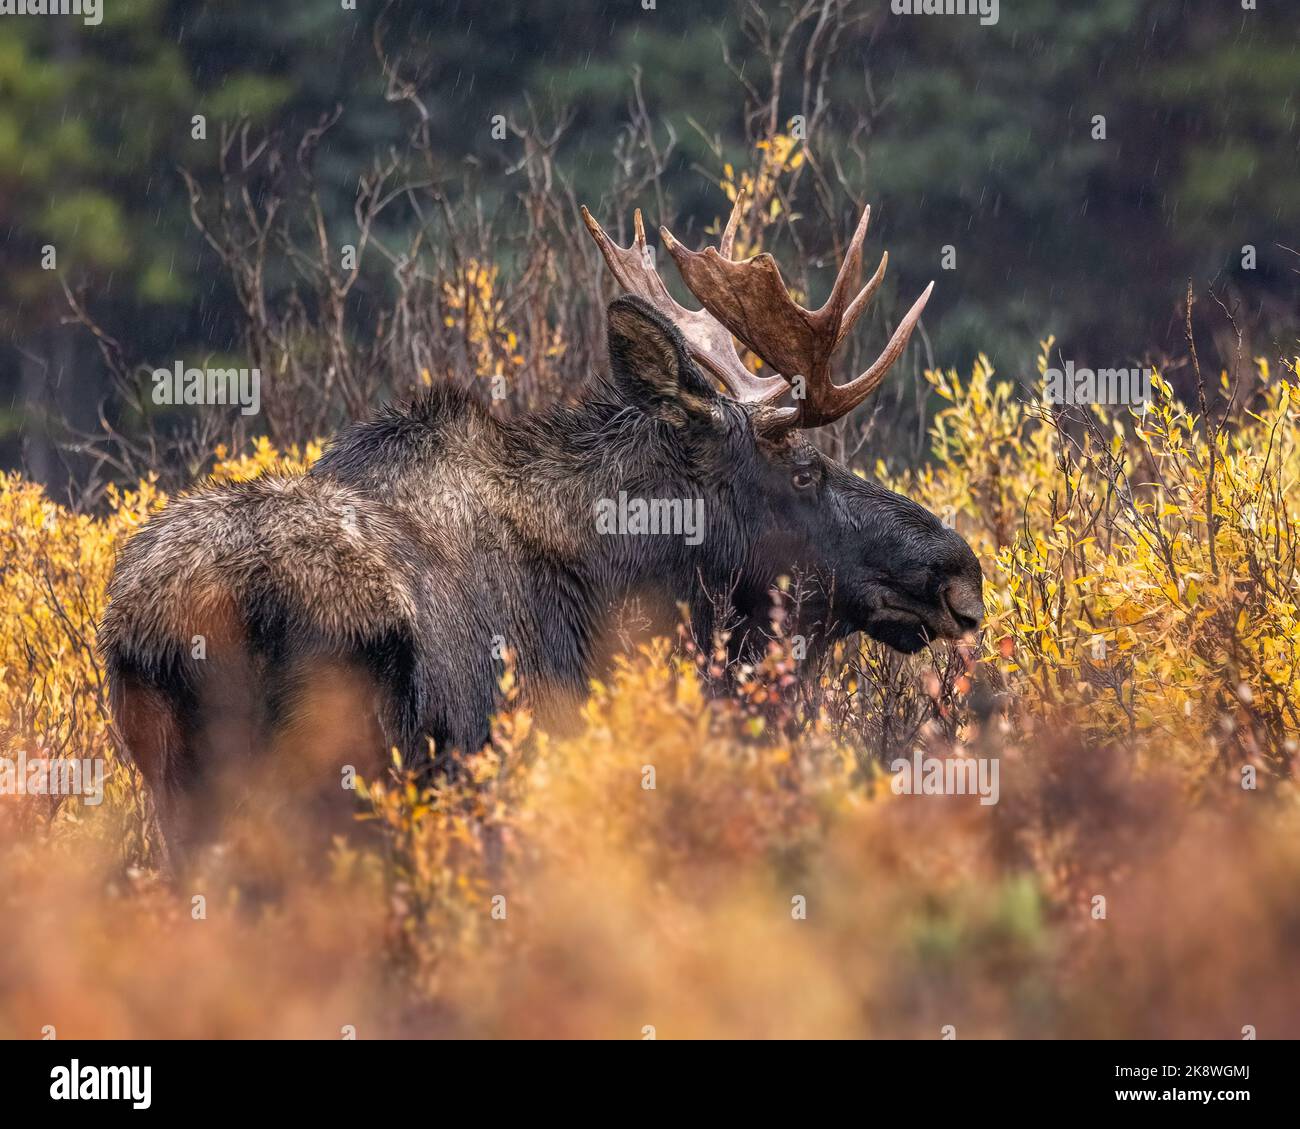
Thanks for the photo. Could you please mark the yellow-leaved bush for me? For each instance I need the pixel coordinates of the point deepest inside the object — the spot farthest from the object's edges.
(1111, 603)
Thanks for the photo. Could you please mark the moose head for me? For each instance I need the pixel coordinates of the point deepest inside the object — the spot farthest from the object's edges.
(877, 561)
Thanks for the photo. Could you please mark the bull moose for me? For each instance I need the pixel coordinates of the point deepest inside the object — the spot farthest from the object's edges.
(328, 617)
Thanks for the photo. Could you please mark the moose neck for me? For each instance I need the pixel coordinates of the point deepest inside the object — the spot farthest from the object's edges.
(612, 497)
(607, 534)
(557, 518)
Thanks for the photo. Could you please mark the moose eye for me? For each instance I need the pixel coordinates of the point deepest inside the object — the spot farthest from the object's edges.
(803, 479)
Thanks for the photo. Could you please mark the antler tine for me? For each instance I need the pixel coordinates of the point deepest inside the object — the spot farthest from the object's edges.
(843, 398)
(709, 341)
(728, 240)
(847, 279)
(859, 303)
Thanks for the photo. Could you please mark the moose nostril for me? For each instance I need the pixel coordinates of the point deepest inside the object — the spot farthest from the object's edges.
(965, 604)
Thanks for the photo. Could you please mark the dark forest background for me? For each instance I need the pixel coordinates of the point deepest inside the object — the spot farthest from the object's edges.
(978, 138)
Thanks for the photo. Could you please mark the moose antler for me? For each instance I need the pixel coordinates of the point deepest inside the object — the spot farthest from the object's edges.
(748, 300)
(709, 341)
(751, 301)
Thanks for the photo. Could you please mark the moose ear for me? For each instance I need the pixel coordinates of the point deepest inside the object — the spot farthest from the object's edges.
(650, 362)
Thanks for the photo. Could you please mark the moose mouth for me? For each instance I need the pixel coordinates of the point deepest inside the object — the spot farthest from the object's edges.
(901, 630)
(909, 631)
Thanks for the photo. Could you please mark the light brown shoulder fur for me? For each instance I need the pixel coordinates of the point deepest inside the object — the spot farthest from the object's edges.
(312, 545)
